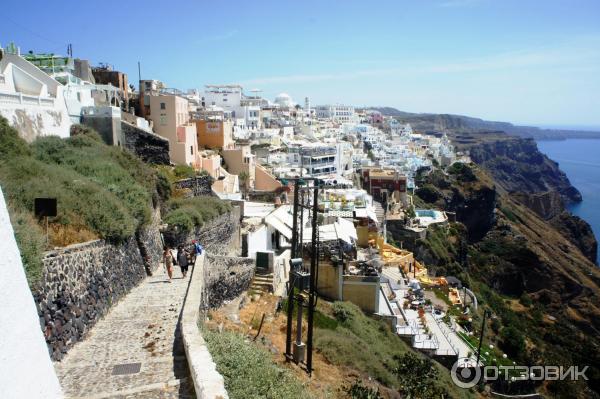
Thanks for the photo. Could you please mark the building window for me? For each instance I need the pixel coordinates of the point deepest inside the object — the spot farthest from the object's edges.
(163, 120)
(191, 150)
(163, 106)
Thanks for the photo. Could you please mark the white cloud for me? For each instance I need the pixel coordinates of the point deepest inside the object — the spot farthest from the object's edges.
(581, 53)
(218, 37)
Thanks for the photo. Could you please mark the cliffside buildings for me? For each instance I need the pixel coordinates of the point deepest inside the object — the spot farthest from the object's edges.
(215, 133)
(337, 113)
(31, 100)
(171, 120)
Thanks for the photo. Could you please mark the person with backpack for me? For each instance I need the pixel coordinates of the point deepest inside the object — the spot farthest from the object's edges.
(197, 247)
(182, 260)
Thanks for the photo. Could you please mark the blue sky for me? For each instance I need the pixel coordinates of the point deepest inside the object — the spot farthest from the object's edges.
(535, 62)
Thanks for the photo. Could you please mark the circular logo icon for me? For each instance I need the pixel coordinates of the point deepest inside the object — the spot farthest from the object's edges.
(464, 373)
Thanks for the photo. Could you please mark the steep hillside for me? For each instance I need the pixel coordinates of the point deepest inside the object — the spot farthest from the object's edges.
(444, 122)
(518, 166)
(540, 286)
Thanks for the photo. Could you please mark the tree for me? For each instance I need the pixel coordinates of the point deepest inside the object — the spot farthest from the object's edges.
(417, 377)
(512, 341)
(243, 178)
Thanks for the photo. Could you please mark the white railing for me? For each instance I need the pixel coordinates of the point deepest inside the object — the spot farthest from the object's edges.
(425, 341)
(444, 329)
(19, 98)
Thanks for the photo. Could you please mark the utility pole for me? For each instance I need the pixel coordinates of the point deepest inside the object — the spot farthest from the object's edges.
(313, 270)
(486, 313)
(290, 304)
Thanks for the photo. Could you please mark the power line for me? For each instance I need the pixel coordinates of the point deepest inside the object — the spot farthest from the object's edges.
(33, 32)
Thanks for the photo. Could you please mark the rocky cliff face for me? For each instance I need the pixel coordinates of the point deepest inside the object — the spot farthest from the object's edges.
(515, 252)
(578, 231)
(518, 166)
(532, 179)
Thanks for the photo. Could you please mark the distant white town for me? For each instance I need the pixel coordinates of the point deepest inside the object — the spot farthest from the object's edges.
(254, 149)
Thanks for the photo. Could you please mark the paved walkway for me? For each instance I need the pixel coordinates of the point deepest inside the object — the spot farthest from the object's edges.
(141, 328)
(445, 347)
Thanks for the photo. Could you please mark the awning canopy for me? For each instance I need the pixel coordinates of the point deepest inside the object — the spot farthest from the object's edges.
(342, 229)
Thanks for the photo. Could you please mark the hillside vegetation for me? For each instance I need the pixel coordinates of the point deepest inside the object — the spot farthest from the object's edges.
(345, 336)
(543, 292)
(249, 371)
(101, 191)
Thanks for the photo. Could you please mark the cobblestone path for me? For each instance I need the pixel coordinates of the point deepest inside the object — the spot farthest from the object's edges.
(141, 328)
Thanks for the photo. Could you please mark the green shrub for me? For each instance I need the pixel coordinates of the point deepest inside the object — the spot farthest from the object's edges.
(32, 243)
(512, 342)
(525, 300)
(359, 391)
(462, 171)
(181, 219)
(117, 171)
(371, 347)
(249, 371)
(77, 130)
(184, 172)
(418, 377)
(163, 185)
(102, 191)
(428, 193)
(10, 143)
(342, 312)
(188, 213)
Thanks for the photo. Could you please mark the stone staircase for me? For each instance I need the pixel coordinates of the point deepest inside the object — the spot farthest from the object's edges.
(379, 212)
(262, 281)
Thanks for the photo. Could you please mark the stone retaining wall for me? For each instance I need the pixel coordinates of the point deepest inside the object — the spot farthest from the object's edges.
(81, 282)
(150, 147)
(79, 285)
(199, 185)
(226, 278)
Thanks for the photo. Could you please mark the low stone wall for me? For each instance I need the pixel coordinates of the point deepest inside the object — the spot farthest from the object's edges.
(226, 278)
(150, 242)
(81, 282)
(199, 185)
(208, 383)
(150, 147)
(79, 285)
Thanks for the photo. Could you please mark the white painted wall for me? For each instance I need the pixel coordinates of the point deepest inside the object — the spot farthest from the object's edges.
(258, 241)
(25, 367)
(31, 100)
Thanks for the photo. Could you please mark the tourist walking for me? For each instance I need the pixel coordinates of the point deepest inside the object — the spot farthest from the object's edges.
(197, 247)
(168, 260)
(182, 260)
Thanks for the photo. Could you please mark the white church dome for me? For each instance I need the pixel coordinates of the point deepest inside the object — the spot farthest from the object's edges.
(284, 100)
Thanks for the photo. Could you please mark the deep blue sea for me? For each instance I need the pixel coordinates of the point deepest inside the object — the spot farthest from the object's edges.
(580, 160)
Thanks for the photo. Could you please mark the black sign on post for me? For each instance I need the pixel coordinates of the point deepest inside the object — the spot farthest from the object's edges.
(45, 207)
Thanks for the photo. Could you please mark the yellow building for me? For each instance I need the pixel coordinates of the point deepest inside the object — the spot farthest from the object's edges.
(215, 134)
(241, 160)
(170, 119)
(334, 284)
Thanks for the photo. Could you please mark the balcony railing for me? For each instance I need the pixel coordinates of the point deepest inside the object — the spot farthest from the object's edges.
(19, 98)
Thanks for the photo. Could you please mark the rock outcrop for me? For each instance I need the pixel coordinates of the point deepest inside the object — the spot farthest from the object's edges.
(518, 166)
